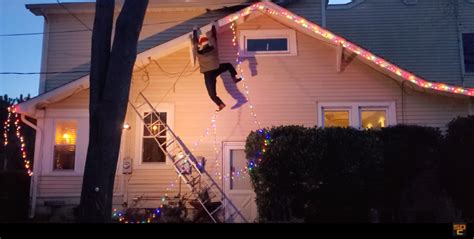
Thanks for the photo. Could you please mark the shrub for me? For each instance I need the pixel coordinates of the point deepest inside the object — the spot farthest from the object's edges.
(458, 164)
(337, 174)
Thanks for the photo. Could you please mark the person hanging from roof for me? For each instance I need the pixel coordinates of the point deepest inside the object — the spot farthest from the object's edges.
(206, 50)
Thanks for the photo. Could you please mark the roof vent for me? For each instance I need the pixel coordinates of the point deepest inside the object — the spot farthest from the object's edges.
(410, 2)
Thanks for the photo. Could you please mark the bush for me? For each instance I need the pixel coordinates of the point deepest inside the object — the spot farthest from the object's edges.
(458, 164)
(407, 152)
(337, 174)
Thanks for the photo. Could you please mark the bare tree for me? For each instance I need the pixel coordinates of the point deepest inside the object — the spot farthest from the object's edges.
(110, 77)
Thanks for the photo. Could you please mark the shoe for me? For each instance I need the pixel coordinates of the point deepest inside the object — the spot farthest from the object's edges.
(237, 80)
(221, 106)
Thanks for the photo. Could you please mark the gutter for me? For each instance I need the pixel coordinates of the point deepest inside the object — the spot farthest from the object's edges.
(36, 166)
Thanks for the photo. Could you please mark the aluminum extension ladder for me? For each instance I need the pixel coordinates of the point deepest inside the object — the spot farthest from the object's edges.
(204, 189)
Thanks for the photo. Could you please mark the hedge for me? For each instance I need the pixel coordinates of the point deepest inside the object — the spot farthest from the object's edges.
(337, 174)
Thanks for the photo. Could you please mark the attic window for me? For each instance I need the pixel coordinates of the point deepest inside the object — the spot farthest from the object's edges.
(267, 42)
(468, 52)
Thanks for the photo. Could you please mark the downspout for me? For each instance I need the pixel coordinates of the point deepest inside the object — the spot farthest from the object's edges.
(36, 165)
(323, 12)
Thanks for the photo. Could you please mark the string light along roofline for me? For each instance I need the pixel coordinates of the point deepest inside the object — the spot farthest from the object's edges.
(275, 10)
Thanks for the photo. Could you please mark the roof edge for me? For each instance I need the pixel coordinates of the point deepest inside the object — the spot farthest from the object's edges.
(29, 107)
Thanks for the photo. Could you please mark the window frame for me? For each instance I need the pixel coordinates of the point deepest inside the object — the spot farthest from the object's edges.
(355, 120)
(289, 34)
(463, 65)
(138, 162)
(52, 116)
(55, 127)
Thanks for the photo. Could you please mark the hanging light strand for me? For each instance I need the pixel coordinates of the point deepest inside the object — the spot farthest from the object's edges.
(12, 115)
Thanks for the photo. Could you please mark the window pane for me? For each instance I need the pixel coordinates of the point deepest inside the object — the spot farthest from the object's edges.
(274, 44)
(66, 132)
(237, 163)
(339, 2)
(468, 48)
(373, 119)
(151, 151)
(335, 118)
(64, 157)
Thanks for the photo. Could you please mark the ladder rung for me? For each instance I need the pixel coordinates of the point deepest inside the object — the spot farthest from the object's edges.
(168, 143)
(217, 209)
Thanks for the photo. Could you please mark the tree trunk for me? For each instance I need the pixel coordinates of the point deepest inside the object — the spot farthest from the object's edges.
(110, 78)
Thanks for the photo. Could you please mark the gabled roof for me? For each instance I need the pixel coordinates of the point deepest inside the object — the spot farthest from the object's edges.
(278, 13)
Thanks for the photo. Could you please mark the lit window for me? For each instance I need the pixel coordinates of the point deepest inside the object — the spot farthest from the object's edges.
(468, 52)
(373, 119)
(268, 42)
(65, 145)
(336, 118)
(153, 132)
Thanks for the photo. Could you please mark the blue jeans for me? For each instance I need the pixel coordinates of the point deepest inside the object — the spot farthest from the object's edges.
(210, 78)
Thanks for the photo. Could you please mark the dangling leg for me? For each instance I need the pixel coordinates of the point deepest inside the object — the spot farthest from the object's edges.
(210, 78)
(223, 67)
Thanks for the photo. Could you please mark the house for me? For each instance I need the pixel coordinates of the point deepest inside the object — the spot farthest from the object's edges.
(380, 63)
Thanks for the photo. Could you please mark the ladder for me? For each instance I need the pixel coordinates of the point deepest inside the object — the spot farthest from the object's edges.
(204, 189)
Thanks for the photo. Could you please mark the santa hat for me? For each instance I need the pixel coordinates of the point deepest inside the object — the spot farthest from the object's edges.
(203, 41)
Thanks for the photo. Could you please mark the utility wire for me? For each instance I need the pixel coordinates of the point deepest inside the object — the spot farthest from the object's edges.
(72, 14)
(41, 73)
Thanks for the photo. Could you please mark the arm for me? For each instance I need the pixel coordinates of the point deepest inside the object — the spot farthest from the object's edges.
(214, 31)
(194, 40)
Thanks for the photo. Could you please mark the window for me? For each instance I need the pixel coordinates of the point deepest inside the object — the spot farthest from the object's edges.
(267, 42)
(338, 2)
(238, 161)
(336, 118)
(468, 52)
(153, 132)
(373, 118)
(65, 145)
(362, 115)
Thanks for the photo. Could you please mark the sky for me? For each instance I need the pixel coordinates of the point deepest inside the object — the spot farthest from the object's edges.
(23, 53)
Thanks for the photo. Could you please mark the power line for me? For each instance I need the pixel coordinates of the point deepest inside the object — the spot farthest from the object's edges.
(72, 14)
(42, 73)
(88, 28)
(40, 33)
(82, 30)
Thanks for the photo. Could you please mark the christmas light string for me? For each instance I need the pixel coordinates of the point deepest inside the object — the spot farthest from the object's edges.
(19, 136)
(351, 47)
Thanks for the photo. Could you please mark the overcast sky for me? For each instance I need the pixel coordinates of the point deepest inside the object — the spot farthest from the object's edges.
(23, 53)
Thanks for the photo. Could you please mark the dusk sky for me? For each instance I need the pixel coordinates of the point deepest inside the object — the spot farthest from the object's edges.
(23, 53)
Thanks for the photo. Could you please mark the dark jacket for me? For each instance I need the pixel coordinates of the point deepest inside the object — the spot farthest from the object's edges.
(208, 58)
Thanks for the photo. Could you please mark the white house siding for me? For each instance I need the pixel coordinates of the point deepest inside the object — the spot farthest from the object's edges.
(284, 90)
(71, 51)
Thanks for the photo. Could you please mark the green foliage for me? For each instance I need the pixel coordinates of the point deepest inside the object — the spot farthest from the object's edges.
(337, 174)
(457, 164)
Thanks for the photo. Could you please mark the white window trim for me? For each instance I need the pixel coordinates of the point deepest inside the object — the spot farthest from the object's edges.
(268, 34)
(81, 116)
(228, 146)
(163, 107)
(354, 111)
